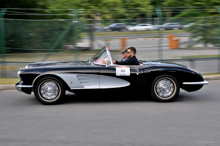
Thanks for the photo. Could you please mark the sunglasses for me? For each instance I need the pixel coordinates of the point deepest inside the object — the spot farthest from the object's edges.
(128, 52)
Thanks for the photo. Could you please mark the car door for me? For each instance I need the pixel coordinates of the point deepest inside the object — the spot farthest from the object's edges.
(148, 27)
(117, 76)
(170, 26)
(176, 26)
(118, 27)
(141, 27)
(145, 27)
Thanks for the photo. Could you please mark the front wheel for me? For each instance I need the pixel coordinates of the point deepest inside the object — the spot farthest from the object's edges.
(165, 88)
(49, 90)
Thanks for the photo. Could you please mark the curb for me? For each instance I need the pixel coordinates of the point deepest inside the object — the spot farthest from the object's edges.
(12, 87)
(7, 87)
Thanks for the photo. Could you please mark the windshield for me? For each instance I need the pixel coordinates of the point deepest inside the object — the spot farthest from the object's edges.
(113, 24)
(165, 24)
(103, 57)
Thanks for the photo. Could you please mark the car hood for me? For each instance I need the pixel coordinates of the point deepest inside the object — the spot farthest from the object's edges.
(56, 64)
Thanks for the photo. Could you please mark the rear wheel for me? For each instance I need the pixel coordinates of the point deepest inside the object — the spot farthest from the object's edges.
(165, 88)
(49, 90)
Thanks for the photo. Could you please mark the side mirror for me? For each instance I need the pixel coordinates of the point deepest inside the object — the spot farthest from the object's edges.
(90, 61)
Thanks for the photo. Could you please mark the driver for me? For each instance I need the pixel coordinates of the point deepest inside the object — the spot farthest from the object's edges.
(131, 60)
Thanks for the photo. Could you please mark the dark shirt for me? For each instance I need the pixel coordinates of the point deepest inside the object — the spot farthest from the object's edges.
(129, 61)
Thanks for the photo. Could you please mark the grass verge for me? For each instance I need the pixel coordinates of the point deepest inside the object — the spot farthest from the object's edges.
(201, 56)
(212, 74)
(117, 33)
(8, 81)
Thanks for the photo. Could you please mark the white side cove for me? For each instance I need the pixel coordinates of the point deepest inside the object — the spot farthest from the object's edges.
(88, 81)
(112, 82)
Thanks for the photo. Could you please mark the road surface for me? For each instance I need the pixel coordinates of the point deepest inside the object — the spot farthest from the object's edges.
(192, 120)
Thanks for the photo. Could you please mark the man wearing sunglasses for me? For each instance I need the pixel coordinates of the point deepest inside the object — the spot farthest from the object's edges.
(131, 60)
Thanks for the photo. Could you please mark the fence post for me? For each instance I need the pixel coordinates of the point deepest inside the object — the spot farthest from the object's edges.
(2, 43)
(123, 43)
(75, 29)
(160, 34)
(57, 41)
(219, 42)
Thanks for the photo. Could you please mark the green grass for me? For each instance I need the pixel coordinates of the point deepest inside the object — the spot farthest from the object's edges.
(10, 68)
(117, 33)
(212, 74)
(8, 81)
(201, 56)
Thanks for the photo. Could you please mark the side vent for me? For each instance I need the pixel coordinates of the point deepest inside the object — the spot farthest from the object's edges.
(83, 80)
(89, 81)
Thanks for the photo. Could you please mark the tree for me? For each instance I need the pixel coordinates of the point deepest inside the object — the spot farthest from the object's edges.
(191, 8)
(206, 31)
(171, 4)
(20, 4)
(105, 8)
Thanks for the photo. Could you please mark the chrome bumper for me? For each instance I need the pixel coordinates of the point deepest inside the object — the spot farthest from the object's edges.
(196, 83)
(19, 85)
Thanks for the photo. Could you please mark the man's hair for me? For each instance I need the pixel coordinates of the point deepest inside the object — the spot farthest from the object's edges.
(132, 49)
(124, 51)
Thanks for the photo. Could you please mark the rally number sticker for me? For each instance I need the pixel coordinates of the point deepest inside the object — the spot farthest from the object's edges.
(122, 71)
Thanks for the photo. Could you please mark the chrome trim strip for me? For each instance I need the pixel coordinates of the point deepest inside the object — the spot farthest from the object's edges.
(82, 88)
(196, 83)
(24, 86)
(36, 79)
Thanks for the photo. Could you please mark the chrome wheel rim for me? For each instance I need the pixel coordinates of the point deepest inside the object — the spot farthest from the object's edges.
(165, 88)
(49, 90)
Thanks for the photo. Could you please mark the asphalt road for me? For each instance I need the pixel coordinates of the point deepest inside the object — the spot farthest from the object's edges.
(192, 120)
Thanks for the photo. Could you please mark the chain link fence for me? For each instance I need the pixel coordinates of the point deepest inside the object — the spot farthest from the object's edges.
(28, 40)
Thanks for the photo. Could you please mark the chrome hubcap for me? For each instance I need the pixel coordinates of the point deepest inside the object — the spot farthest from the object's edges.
(49, 90)
(165, 88)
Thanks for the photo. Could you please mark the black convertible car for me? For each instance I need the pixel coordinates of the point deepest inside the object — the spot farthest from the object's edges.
(50, 80)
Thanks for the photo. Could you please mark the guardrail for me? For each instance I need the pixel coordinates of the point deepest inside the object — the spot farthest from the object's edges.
(204, 65)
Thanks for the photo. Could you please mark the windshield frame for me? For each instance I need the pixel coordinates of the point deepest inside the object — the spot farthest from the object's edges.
(104, 51)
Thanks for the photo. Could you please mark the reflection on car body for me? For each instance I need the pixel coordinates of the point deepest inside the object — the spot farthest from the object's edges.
(170, 26)
(142, 27)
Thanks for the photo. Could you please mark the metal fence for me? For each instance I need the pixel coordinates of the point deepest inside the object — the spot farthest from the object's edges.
(28, 40)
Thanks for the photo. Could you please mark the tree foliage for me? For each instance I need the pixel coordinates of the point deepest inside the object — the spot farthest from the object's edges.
(26, 35)
(104, 8)
(35, 36)
(206, 31)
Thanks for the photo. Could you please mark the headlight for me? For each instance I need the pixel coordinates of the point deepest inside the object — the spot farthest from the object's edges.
(18, 74)
(26, 66)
